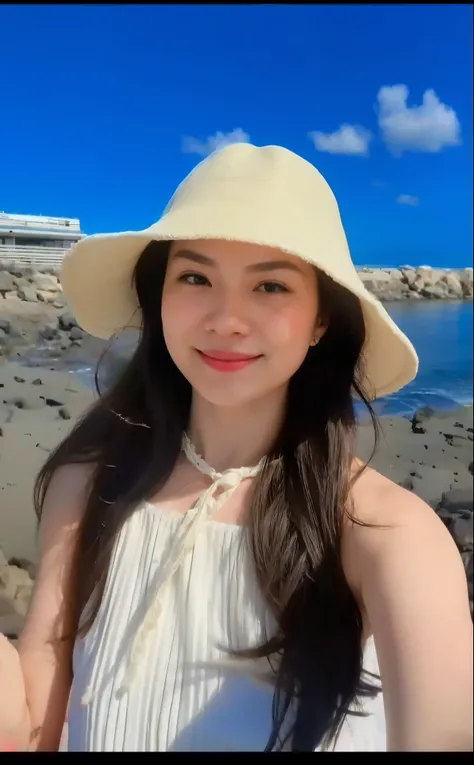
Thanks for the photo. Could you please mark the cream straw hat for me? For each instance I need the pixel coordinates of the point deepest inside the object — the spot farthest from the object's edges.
(263, 195)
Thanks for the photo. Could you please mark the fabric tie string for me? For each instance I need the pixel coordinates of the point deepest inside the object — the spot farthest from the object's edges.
(205, 508)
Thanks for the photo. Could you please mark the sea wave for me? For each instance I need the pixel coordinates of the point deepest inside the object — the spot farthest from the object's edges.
(402, 404)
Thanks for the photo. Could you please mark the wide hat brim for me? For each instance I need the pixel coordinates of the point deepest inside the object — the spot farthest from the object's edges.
(96, 274)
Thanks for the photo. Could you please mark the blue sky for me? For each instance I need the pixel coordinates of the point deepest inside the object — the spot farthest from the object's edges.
(104, 109)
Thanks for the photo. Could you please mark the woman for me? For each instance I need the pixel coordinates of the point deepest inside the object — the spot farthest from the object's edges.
(184, 602)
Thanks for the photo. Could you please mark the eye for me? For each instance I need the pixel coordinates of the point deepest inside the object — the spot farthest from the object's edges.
(197, 280)
(272, 287)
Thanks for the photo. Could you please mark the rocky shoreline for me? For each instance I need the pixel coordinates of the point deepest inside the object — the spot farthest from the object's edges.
(408, 283)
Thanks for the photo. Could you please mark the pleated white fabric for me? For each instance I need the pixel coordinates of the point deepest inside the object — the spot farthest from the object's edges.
(190, 696)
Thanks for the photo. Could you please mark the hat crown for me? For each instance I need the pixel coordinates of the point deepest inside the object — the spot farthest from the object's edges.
(266, 195)
(268, 175)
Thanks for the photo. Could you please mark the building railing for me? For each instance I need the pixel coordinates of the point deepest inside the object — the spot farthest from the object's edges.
(38, 257)
(72, 225)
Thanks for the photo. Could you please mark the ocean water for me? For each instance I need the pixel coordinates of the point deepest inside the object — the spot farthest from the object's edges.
(442, 333)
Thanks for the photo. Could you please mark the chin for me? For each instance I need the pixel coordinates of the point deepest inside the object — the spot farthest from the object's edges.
(225, 395)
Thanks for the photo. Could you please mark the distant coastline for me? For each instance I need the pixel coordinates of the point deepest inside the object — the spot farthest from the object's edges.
(417, 283)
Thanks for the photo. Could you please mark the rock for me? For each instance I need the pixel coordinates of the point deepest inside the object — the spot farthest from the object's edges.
(409, 276)
(49, 332)
(21, 282)
(6, 345)
(466, 279)
(18, 270)
(46, 282)
(17, 402)
(396, 274)
(14, 577)
(461, 529)
(3, 560)
(456, 500)
(393, 290)
(418, 284)
(433, 276)
(16, 333)
(7, 283)
(23, 598)
(468, 563)
(28, 294)
(64, 413)
(76, 333)
(5, 326)
(25, 565)
(408, 283)
(431, 484)
(7, 590)
(453, 283)
(425, 413)
(51, 402)
(11, 624)
(67, 320)
(377, 275)
(46, 297)
(435, 291)
(467, 291)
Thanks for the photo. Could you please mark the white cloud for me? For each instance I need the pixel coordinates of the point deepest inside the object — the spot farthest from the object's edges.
(348, 139)
(408, 199)
(429, 127)
(212, 143)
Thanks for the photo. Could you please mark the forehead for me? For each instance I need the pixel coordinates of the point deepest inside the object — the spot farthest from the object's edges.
(245, 253)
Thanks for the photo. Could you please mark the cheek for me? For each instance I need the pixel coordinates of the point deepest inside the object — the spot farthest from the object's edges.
(292, 328)
(178, 314)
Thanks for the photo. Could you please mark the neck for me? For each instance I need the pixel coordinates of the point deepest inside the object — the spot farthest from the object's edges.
(233, 437)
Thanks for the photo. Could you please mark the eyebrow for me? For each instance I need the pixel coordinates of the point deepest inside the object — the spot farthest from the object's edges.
(266, 265)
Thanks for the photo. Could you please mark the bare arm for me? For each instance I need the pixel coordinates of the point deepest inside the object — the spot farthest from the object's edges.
(413, 590)
(46, 663)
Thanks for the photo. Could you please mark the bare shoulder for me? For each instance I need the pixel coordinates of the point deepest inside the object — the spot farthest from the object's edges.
(390, 524)
(377, 499)
(46, 642)
(409, 580)
(67, 492)
(62, 512)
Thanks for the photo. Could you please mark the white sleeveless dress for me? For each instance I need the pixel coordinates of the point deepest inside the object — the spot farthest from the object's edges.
(185, 693)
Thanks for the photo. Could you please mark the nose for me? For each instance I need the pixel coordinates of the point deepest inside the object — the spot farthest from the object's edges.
(228, 315)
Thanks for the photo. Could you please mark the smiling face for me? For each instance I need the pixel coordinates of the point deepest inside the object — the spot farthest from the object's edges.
(238, 319)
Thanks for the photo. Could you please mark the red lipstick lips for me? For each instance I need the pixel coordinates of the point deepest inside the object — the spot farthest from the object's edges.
(227, 361)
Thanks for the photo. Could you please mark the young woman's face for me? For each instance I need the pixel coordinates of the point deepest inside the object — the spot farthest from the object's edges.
(238, 319)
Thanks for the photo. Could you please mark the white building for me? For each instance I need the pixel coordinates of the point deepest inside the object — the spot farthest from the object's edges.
(36, 239)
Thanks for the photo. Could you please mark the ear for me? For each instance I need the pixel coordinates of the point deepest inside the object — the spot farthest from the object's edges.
(318, 333)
